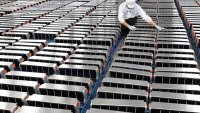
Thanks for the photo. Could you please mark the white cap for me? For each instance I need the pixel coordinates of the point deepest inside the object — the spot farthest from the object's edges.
(130, 3)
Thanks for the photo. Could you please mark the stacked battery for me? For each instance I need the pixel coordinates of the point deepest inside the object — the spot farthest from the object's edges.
(175, 80)
(50, 60)
(189, 11)
(18, 14)
(54, 54)
(154, 71)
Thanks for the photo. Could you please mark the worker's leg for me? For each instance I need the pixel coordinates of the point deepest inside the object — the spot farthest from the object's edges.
(126, 30)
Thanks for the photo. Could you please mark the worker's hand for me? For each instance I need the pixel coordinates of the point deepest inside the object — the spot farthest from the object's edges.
(159, 28)
(132, 27)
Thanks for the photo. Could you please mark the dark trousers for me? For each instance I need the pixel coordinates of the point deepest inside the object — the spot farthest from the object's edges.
(124, 29)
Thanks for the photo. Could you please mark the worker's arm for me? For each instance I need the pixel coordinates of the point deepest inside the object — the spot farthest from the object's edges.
(125, 24)
(152, 23)
(148, 19)
(129, 26)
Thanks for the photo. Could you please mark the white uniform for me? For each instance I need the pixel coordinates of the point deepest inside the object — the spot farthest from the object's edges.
(126, 13)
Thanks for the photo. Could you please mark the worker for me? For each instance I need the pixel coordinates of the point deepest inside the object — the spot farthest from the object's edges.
(127, 15)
